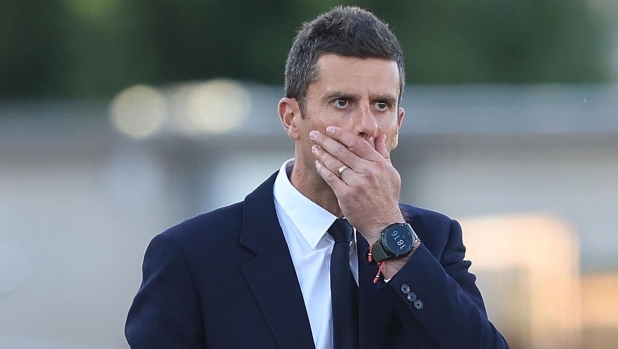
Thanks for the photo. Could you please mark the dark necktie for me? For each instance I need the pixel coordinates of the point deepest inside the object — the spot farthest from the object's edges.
(344, 290)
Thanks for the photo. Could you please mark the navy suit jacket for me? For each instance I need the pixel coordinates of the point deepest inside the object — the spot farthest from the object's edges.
(225, 279)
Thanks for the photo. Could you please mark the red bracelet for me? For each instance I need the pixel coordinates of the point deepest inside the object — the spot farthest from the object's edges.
(380, 264)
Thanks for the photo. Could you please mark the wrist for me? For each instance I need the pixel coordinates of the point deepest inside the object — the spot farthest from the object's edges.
(393, 249)
(395, 242)
(392, 266)
(375, 231)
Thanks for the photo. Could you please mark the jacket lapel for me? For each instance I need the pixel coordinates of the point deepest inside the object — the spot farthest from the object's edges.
(271, 275)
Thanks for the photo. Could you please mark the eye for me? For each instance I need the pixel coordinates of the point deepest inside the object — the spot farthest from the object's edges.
(341, 103)
(381, 106)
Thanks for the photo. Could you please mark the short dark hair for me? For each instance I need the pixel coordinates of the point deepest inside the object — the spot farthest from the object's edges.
(346, 31)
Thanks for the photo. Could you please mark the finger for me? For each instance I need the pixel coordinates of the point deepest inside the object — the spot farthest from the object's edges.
(337, 150)
(329, 177)
(356, 144)
(331, 162)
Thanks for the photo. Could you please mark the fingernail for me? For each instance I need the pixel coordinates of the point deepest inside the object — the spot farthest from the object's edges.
(330, 130)
(315, 148)
(313, 134)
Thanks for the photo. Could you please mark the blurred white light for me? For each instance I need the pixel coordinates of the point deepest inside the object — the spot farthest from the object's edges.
(138, 111)
(215, 106)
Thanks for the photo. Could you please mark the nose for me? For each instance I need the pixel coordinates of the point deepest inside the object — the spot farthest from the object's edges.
(366, 125)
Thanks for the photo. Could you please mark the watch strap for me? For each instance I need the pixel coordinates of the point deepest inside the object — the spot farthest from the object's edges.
(378, 252)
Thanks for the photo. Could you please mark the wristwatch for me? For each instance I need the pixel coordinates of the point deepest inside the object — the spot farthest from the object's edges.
(396, 241)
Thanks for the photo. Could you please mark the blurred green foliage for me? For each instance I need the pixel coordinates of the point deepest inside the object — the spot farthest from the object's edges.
(94, 48)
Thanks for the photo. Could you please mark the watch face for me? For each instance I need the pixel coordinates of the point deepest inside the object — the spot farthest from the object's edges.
(398, 240)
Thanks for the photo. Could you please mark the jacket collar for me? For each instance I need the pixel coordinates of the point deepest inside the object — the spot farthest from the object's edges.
(273, 281)
(271, 274)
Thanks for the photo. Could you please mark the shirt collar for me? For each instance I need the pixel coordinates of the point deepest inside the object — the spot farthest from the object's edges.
(311, 220)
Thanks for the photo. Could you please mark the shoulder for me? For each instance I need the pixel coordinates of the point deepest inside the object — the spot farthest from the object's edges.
(214, 228)
(424, 217)
(431, 226)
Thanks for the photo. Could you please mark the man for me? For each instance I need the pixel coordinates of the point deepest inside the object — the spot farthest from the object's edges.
(277, 270)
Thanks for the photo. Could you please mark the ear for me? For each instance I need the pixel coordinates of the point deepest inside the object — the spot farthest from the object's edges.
(289, 113)
(400, 116)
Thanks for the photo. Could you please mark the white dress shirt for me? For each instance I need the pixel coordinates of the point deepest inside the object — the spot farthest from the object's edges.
(305, 226)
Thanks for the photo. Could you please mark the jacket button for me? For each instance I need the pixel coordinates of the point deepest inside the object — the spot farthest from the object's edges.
(411, 296)
(405, 289)
(418, 304)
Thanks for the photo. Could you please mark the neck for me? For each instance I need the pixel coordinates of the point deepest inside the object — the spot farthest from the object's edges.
(308, 182)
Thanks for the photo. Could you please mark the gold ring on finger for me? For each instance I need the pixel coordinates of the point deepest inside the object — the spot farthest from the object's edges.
(341, 169)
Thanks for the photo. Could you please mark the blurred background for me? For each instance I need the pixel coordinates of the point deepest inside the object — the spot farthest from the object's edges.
(119, 119)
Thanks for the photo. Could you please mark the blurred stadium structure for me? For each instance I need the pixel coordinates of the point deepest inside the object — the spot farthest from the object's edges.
(531, 172)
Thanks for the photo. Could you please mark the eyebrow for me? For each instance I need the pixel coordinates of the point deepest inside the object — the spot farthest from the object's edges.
(344, 95)
(340, 94)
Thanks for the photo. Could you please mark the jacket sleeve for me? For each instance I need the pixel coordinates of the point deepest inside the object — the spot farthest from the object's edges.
(165, 311)
(440, 299)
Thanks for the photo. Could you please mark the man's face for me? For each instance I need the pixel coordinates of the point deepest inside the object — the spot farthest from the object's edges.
(359, 95)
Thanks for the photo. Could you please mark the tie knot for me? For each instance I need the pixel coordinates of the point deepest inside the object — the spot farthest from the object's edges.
(341, 230)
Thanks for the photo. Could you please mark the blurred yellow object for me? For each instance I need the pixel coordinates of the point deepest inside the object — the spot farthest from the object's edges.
(528, 268)
(211, 107)
(600, 311)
